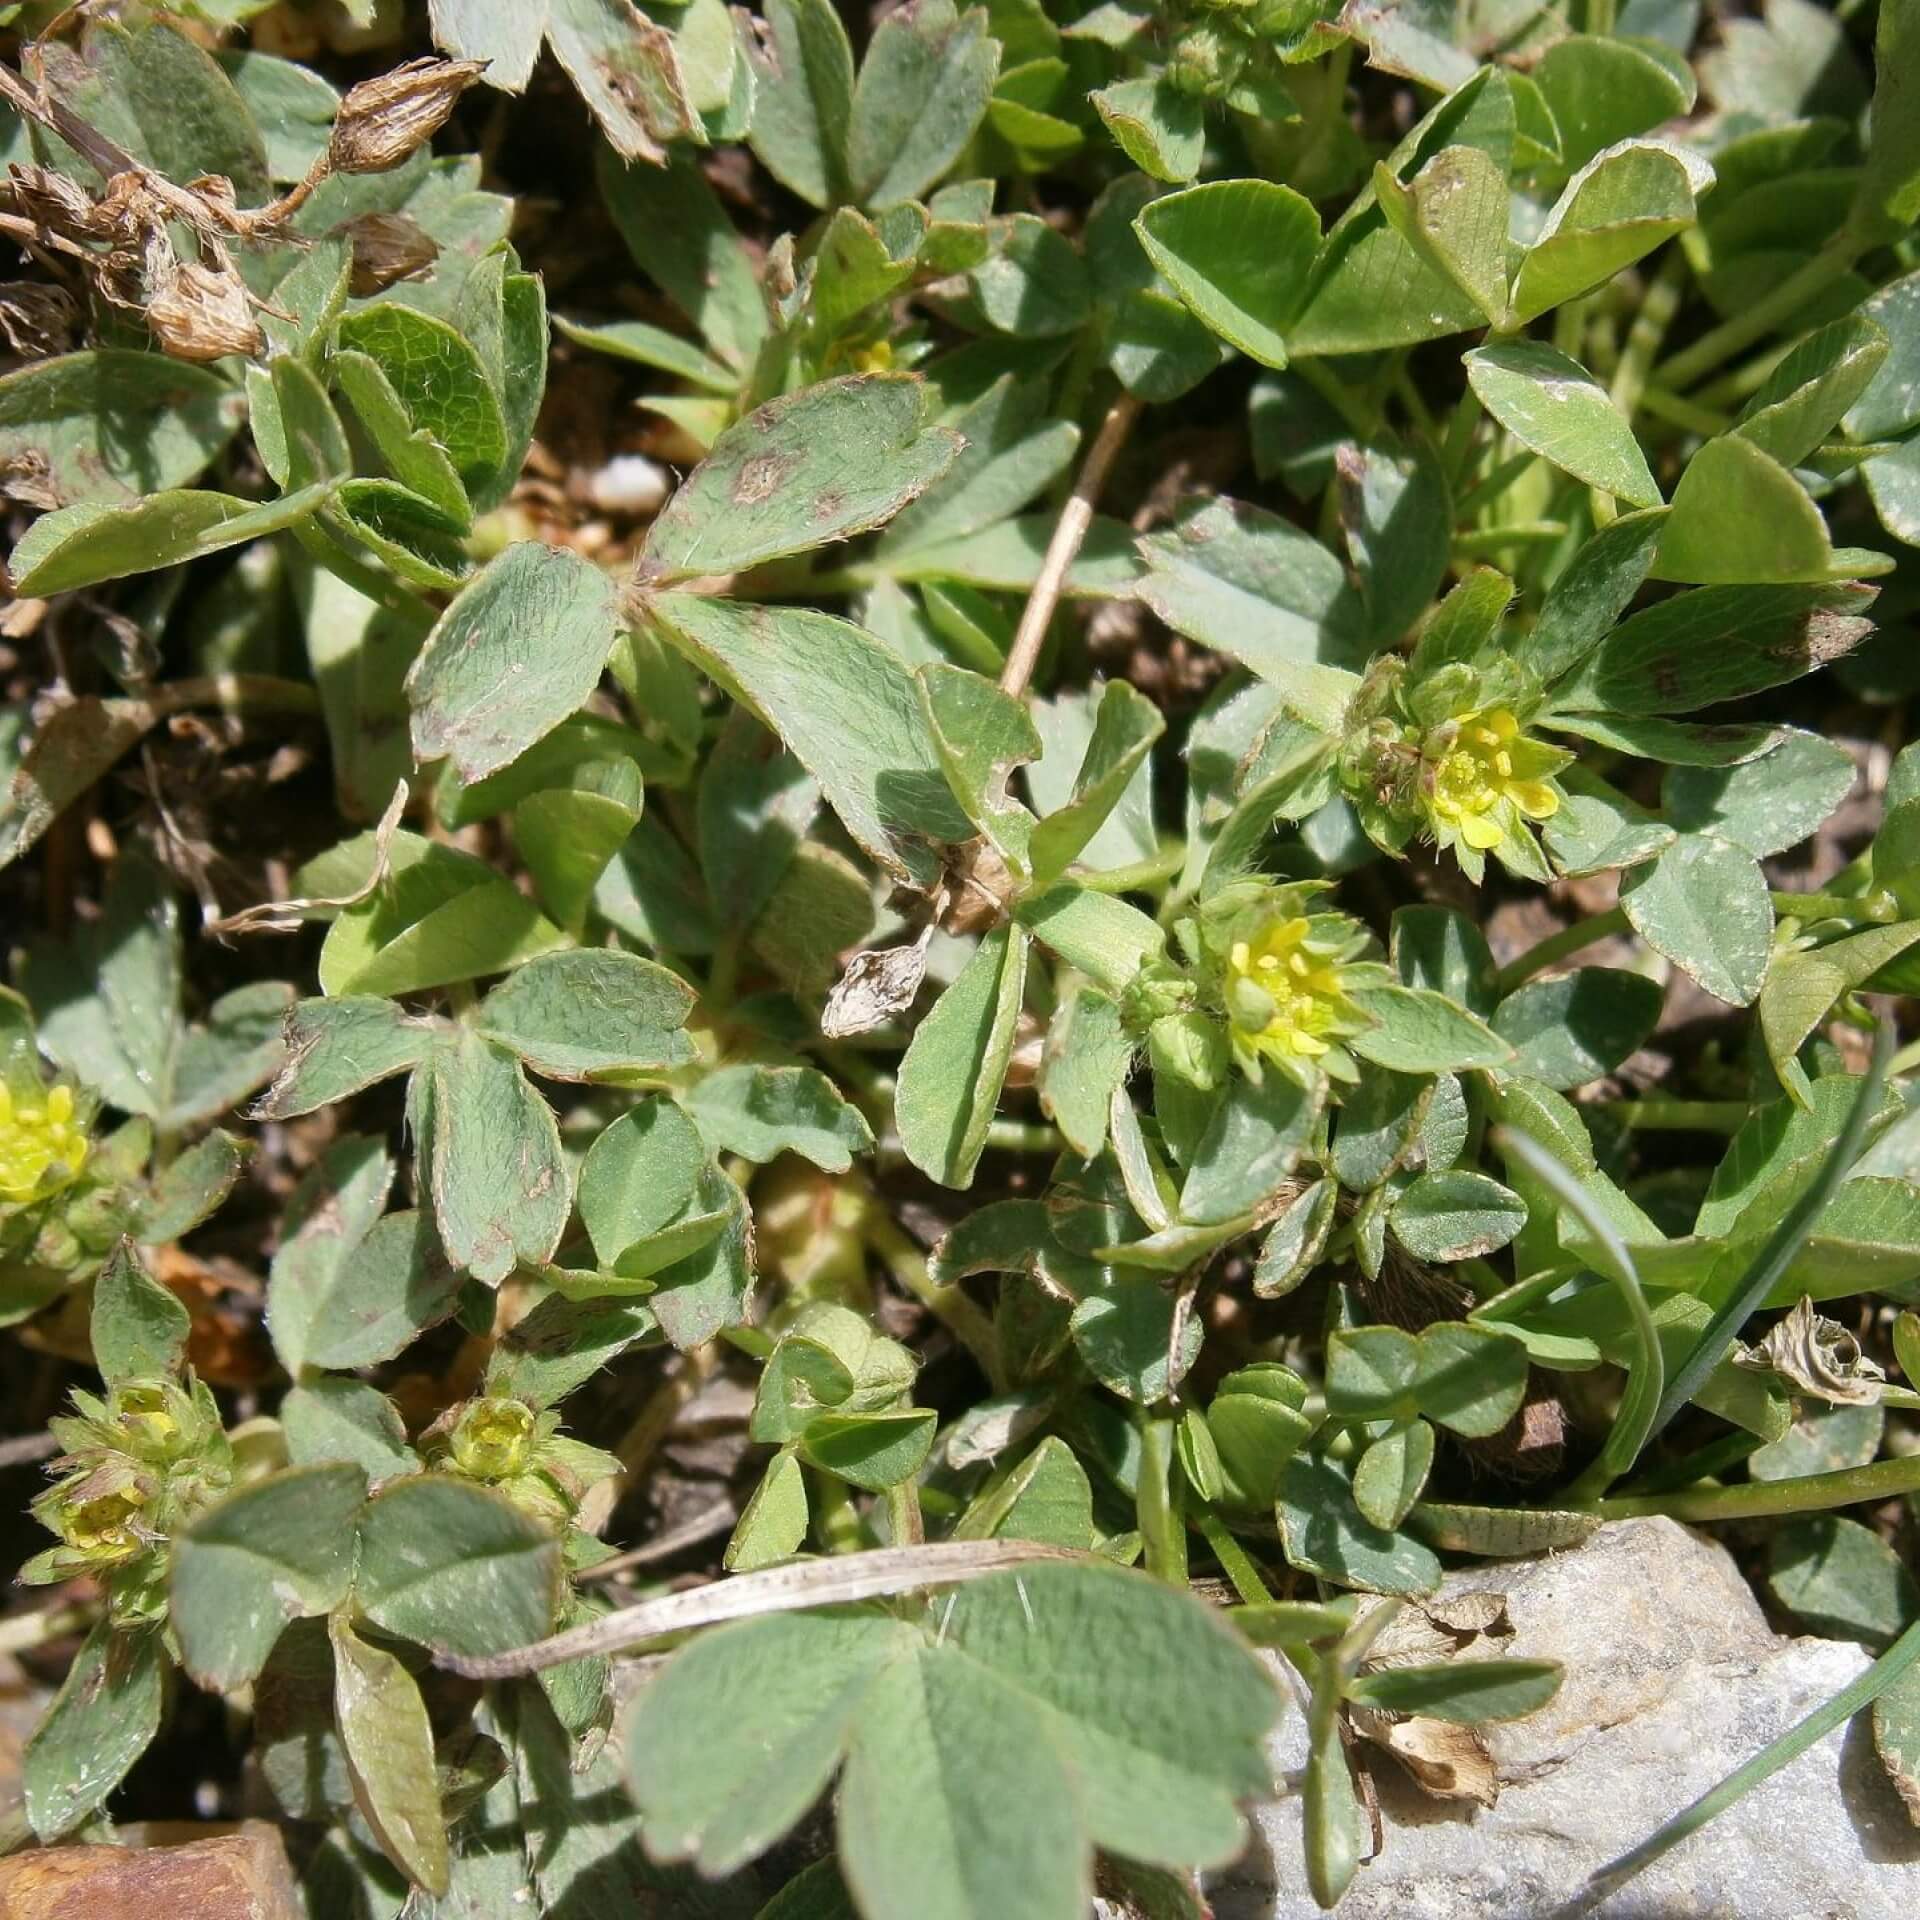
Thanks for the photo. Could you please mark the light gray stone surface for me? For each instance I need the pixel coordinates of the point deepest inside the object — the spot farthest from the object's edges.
(1673, 1678)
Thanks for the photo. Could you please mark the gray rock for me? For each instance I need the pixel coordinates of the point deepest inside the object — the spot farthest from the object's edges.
(1673, 1679)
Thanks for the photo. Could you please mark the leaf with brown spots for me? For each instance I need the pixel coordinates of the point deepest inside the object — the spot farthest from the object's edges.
(838, 459)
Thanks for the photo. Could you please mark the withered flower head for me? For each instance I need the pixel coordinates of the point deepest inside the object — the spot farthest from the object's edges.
(203, 313)
(382, 121)
(387, 248)
(53, 203)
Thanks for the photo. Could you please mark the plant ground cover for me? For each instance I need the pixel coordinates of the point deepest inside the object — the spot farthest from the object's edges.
(960, 864)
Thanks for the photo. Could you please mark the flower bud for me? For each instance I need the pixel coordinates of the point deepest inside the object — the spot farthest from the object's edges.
(383, 121)
(203, 313)
(493, 1439)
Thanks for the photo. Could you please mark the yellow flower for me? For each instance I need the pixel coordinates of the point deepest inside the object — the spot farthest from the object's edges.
(1486, 779)
(1283, 991)
(36, 1141)
(494, 1439)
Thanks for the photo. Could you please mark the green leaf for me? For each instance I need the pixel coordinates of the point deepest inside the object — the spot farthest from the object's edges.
(1104, 937)
(389, 1747)
(1458, 1215)
(1158, 127)
(1034, 282)
(1255, 1139)
(957, 1802)
(923, 88)
(847, 709)
(455, 1567)
(1124, 1332)
(980, 736)
(81, 546)
(838, 458)
(291, 105)
(110, 426)
(1620, 205)
(349, 1288)
(1088, 1053)
(1322, 1532)
(1253, 586)
(1390, 1474)
(706, 1291)
(1467, 1377)
(1601, 91)
(562, 1343)
(639, 1176)
(440, 381)
(1804, 397)
(334, 1048)
(627, 69)
(1012, 452)
(1420, 1031)
(872, 1451)
(1577, 1026)
(331, 1419)
(952, 1072)
(1553, 405)
(727, 1796)
(1237, 253)
(774, 1521)
(1890, 187)
(573, 1015)
(677, 230)
(1739, 516)
(491, 1149)
(1841, 1579)
(1595, 588)
(517, 653)
(138, 1329)
(1398, 519)
(1721, 643)
(1766, 804)
(762, 1112)
(756, 806)
(1453, 214)
(281, 1549)
(1704, 904)
(803, 98)
(650, 346)
(99, 1723)
(1473, 1691)
(1126, 725)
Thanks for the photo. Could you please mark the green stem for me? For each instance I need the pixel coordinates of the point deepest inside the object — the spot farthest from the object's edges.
(1337, 394)
(1157, 1501)
(836, 1521)
(1486, 490)
(1142, 876)
(1557, 946)
(1758, 1499)
(1715, 348)
(906, 1526)
(1522, 533)
(1663, 405)
(1680, 1116)
(948, 1305)
(1874, 909)
(1235, 1562)
(1649, 331)
(1704, 1463)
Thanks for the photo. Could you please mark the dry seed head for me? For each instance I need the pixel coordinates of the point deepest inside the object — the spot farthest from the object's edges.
(387, 248)
(382, 121)
(203, 313)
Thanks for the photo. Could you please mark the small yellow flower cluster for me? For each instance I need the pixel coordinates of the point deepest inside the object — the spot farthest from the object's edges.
(38, 1141)
(518, 1450)
(137, 1467)
(1279, 971)
(1490, 771)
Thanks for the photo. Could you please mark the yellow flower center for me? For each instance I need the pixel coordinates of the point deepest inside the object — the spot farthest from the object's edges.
(36, 1140)
(494, 1439)
(1279, 994)
(1485, 765)
(104, 1524)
